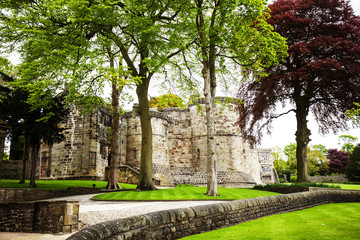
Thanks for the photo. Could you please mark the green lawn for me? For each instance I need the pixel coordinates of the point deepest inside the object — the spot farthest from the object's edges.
(348, 186)
(330, 221)
(184, 192)
(59, 184)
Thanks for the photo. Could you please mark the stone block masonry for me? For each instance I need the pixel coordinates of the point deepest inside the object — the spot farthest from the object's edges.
(42, 217)
(179, 147)
(178, 223)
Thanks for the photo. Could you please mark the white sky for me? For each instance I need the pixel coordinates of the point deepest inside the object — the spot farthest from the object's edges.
(284, 128)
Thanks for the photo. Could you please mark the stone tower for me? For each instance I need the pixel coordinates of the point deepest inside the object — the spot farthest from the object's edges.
(179, 148)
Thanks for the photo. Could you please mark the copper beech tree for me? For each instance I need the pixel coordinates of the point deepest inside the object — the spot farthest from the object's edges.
(321, 75)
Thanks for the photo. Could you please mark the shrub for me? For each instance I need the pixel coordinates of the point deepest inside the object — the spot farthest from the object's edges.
(293, 178)
(337, 161)
(353, 168)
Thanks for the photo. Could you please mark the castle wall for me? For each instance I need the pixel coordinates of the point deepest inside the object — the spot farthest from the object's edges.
(84, 152)
(179, 148)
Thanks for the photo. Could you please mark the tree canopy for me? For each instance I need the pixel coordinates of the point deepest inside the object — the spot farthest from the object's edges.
(36, 124)
(321, 74)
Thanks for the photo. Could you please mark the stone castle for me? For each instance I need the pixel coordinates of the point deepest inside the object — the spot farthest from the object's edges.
(179, 149)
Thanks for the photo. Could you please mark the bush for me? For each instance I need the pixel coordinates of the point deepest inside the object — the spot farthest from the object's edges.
(353, 168)
(293, 179)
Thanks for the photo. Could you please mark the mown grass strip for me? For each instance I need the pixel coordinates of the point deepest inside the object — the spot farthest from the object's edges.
(330, 221)
(59, 184)
(347, 186)
(184, 193)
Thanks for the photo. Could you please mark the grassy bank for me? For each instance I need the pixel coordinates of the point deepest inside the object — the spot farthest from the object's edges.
(330, 221)
(185, 192)
(59, 184)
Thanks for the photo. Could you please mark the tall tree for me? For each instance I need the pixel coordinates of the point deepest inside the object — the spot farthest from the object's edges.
(74, 33)
(321, 74)
(236, 31)
(37, 125)
(353, 167)
(348, 143)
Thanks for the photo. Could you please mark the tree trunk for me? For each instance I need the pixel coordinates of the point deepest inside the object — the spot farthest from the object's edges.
(302, 141)
(210, 135)
(145, 182)
(34, 159)
(115, 140)
(115, 133)
(24, 159)
(2, 147)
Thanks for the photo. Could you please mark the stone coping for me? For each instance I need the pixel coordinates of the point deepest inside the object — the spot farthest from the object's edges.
(177, 223)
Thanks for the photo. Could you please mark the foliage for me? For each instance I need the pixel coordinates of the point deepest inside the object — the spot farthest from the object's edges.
(329, 221)
(353, 168)
(337, 161)
(166, 100)
(321, 74)
(316, 157)
(354, 113)
(59, 184)
(279, 163)
(348, 143)
(5, 156)
(37, 124)
(184, 193)
(293, 178)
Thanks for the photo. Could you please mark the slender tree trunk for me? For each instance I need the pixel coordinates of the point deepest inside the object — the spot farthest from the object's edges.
(145, 182)
(210, 135)
(302, 141)
(2, 147)
(24, 159)
(34, 159)
(115, 133)
(208, 71)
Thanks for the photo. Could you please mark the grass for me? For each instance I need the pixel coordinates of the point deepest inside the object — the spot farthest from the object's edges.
(185, 192)
(348, 186)
(59, 184)
(296, 185)
(330, 221)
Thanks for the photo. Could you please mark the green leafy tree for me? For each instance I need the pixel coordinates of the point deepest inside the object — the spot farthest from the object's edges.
(347, 142)
(234, 31)
(280, 164)
(353, 168)
(166, 100)
(354, 113)
(37, 125)
(317, 161)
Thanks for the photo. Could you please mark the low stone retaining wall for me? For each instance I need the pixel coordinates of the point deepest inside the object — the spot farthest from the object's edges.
(177, 223)
(12, 195)
(42, 217)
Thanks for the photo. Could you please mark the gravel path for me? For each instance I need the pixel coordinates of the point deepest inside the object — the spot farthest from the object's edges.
(89, 215)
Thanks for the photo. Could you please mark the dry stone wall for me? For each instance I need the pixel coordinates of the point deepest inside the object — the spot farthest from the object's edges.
(177, 223)
(43, 217)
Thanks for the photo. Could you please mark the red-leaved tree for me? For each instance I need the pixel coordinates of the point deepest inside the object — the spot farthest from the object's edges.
(321, 74)
(337, 161)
